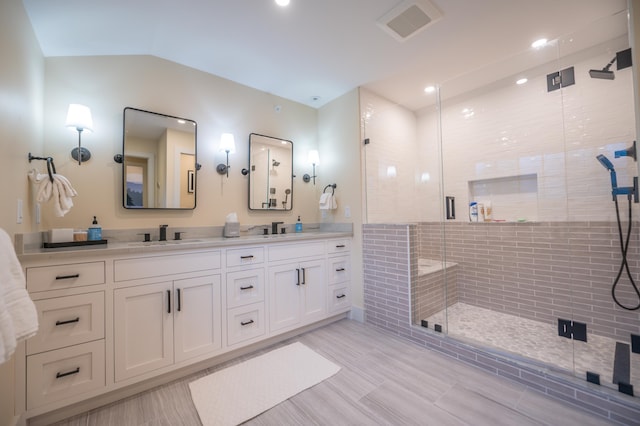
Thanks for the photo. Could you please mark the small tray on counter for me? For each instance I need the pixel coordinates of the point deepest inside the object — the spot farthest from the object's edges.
(74, 244)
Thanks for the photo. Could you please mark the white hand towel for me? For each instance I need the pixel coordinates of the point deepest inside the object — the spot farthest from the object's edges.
(60, 190)
(18, 315)
(328, 201)
(324, 201)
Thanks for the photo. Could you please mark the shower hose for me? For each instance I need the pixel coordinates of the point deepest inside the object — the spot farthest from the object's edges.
(624, 246)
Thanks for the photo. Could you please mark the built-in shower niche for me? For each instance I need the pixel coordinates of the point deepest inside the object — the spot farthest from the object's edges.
(434, 288)
(512, 198)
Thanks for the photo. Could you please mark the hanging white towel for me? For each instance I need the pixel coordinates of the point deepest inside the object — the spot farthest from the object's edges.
(328, 201)
(18, 315)
(60, 190)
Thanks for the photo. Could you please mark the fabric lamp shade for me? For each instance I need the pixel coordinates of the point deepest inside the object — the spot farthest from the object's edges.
(227, 143)
(314, 158)
(79, 117)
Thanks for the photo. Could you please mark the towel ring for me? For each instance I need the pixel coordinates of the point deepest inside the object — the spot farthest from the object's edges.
(51, 168)
(332, 186)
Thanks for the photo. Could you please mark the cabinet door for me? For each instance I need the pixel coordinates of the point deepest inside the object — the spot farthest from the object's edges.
(314, 290)
(143, 328)
(284, 296)
(197, 316)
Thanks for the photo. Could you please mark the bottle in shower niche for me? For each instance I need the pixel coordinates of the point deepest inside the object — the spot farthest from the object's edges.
(480, 212)
(94, 233)
(488, 211)
(473, 212)
(298, 225)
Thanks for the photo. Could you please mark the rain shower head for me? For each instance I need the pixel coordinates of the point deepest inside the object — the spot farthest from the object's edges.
(604, 73)
(275, 163)
(605, 163)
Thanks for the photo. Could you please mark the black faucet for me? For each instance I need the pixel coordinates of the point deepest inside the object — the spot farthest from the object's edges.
(163, 233)
(274, 227)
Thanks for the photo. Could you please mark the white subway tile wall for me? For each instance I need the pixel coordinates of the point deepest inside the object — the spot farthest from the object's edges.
(503, 133)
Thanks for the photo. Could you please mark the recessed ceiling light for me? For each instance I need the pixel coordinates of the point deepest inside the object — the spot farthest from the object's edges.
(539, 43)
(521, 81)
(429, 89)
(282, 3)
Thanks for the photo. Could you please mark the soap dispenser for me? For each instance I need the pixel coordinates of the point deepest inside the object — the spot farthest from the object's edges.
(298, 225)
(94, 233)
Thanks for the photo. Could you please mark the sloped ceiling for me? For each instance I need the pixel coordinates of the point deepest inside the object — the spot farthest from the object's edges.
(313, 50)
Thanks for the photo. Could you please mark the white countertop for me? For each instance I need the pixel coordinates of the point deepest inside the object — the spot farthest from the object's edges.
(117, 248)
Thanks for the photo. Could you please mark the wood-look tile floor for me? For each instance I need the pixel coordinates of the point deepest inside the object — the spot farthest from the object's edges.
(384, 380)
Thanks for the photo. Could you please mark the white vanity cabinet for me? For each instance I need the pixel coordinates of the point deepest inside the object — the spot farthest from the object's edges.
(161, 323)
(124, 317)
(66, 357)
(158, 324)
(245, 295)
(297, 290)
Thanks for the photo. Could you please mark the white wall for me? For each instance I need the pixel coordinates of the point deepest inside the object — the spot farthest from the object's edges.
(339, 146)
(21, 86)
(497, 134)
(108, 84)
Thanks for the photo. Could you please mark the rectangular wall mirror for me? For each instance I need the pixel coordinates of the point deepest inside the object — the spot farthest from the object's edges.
(270, 173)
(159, 161)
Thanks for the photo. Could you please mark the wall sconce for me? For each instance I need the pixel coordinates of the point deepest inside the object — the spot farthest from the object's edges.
(228, 145)
(313, 159)
(79, 116)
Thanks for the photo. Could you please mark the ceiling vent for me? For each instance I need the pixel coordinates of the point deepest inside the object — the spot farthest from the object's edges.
(409, 18)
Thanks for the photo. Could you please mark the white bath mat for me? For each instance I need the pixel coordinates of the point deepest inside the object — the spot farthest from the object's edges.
(241, 392)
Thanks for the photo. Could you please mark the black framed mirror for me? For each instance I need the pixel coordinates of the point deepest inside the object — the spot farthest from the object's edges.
(159, 161)
(270, 173)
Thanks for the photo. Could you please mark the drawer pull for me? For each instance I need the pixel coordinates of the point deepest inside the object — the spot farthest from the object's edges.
(243, 323)
(67, 277)
(340, 270)
(68, 373)
(341, 296)
(76, 319)
(247, 257)
(340, 246)
(249, 287)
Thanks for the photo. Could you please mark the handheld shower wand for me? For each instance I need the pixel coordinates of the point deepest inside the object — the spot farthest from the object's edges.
(624, 244)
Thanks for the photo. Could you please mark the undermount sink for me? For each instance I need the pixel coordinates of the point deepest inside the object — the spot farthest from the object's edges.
(161, 243)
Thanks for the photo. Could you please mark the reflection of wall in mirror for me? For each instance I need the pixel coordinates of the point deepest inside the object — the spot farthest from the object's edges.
(187, 181)
(279, 178)
(143, 153)
(260, 179)
(179, 159)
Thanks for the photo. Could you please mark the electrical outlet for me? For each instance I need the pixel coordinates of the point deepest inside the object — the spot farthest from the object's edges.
(19, 212)
(347, 211)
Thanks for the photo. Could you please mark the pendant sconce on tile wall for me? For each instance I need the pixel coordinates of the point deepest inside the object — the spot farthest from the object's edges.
(314, 159)
(79, 117)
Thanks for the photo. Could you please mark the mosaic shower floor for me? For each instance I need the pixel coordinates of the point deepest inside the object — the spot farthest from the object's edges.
(534, 340)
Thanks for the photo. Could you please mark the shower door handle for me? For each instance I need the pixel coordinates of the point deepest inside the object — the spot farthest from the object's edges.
(450, 204)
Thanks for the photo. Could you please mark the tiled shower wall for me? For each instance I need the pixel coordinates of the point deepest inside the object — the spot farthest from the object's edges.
(542, 271)
(390, 259)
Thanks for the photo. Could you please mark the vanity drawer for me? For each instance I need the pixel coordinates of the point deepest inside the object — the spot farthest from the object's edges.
(245, 256)
(63, 373)
(245, 323)
(44, 278)
(295, 251)
(66, 321)
(339, 298)
(245, 287)
(339, 269)
(160, 266)
(339, 246)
